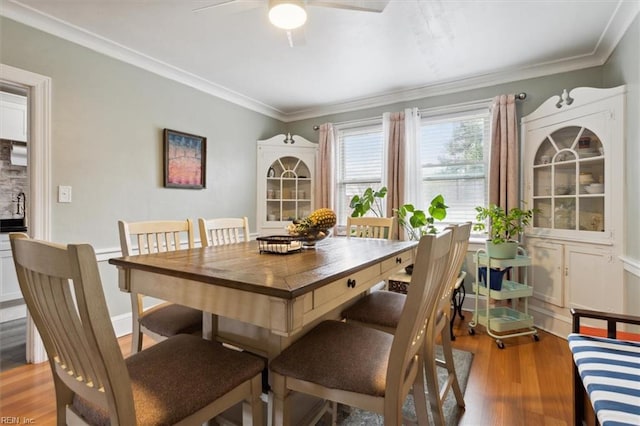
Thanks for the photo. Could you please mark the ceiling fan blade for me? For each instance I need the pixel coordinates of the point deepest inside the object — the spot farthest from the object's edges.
(376, 6)
(211, 5)
(237, 5)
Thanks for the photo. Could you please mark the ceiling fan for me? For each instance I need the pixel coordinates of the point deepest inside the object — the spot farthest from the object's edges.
(292, 14)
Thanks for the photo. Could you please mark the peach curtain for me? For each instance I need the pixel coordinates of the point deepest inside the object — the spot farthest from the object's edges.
(396, 145)
(324, 167)
(503, 160)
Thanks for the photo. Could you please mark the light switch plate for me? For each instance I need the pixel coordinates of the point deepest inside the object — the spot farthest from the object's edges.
(64, 194)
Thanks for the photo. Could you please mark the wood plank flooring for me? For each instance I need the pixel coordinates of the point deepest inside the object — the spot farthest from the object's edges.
(527, 383)
(12, 344)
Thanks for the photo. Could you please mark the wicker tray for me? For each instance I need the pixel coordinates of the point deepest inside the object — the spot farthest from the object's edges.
(280, 244)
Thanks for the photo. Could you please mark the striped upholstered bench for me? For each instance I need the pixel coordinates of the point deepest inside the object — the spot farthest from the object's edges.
(608, 369)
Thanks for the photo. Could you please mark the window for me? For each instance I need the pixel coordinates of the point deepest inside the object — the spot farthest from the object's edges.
(360, 159)
(453, 146)
(454, 156)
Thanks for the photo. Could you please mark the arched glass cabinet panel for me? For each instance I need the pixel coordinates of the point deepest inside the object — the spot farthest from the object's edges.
(568, 181)
(288, 189)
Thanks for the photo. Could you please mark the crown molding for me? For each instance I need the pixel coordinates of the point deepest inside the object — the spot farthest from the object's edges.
(449, 87)
(47, 23)
(620, 21)
(616, 28)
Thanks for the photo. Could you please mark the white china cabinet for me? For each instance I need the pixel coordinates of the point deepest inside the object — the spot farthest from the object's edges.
(286, 174)
(573, 175)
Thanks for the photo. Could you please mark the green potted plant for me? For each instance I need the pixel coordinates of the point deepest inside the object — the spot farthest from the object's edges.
(370, 200)
(417, 223)
(504, 229)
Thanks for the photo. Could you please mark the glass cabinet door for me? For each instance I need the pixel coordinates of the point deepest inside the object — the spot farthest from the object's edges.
(288, 190)
(568, 181)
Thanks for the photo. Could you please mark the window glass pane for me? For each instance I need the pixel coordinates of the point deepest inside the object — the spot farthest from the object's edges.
(360, 165)
(454, 153)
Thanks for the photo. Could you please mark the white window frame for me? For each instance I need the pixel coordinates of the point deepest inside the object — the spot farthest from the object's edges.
(445, 113)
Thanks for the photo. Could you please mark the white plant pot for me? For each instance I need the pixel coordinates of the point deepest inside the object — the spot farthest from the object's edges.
(506, 250)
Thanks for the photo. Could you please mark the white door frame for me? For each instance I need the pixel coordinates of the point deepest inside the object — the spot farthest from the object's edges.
(39, 163)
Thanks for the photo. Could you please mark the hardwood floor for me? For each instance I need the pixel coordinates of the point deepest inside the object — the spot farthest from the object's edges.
(12, 344)
(527, 383)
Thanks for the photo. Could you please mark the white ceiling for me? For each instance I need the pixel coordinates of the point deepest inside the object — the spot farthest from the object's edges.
(345, 59)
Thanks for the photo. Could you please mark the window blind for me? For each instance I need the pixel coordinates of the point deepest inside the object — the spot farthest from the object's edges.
(453, 157)
(360, 164)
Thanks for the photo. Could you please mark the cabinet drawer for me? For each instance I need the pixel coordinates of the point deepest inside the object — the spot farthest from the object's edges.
(397, 262)
(335, 291)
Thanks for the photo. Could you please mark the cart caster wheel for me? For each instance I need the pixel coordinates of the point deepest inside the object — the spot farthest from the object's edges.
(536, 338)
(472, 331)
(500, 344)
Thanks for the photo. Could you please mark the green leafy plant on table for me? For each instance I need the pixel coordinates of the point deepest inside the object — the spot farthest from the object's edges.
(416, 222)
(370, 200)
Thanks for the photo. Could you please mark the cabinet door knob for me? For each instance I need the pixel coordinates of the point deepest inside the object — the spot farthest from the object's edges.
(398, 260)
(351, 283)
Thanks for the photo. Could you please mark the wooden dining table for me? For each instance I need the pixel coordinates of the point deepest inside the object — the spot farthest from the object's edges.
(263, 301)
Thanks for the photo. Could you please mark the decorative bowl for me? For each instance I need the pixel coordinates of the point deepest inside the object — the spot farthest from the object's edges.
(594, 188)
(311, 236)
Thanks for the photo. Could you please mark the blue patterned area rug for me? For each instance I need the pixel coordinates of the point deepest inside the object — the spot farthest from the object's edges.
(355, 417)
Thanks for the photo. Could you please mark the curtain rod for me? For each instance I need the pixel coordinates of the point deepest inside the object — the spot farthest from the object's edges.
(519, 97)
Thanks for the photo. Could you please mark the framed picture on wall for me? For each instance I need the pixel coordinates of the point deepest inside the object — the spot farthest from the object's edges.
(185, 158)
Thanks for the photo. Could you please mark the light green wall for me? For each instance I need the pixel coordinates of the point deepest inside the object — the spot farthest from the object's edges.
(107, 126)
(623, 67)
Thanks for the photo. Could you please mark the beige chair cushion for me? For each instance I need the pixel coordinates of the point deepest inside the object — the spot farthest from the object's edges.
(198, 371)
(383, 308)
(339, 355)
(173, 319)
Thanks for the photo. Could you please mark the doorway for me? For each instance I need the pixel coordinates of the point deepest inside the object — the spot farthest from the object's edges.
(38, 210)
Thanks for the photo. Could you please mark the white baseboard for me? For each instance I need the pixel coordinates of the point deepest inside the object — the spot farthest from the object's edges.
(121, 324)
(13, 313)
(631, 265)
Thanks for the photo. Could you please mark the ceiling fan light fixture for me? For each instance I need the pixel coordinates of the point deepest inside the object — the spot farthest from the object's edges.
(287, 14)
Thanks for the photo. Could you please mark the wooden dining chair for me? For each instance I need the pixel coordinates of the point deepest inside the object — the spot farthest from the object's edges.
(382, 310)
(165, 319)
(183, 379)
(220, 231)
(361, 366)
(371, 227)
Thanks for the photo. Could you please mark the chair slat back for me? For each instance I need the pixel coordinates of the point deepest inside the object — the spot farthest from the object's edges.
(430, 264)
(457, 255)
(155, 236)
(222, 231)
(370, 227)
(62, 289)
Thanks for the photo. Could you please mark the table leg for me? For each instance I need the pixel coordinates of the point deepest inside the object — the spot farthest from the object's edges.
(209, 326)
